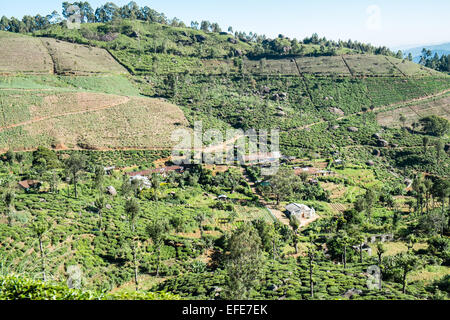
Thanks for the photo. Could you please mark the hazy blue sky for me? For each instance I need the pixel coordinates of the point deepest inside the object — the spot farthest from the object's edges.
(380, 22)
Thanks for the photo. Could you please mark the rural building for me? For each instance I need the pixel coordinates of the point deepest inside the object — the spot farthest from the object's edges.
(286, 158)
(365, 248)
(145, 181)
(163, 171)
(382, 237)
(300, 211)
(109, 170)
(261, 158)
(315, 172)
(28, 185)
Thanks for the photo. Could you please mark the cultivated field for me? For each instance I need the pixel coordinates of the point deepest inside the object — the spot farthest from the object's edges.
(323, 65)
(28, 55)
(24, 54)
(346, 65)
(370, 65)
(439, 107)
(78, 59)
(270, 66)
(77, 120)
(412, 69)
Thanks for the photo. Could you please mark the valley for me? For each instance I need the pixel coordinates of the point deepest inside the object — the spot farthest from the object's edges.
(90, 181)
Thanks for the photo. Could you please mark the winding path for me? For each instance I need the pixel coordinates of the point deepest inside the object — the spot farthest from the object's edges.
(123, 100)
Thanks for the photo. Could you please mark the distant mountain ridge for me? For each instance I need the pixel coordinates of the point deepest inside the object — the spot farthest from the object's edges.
(416, 52)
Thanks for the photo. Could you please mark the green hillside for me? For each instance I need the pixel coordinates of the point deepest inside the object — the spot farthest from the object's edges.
(53, 56)
(152, 48)
(364, 135)
(85, 99)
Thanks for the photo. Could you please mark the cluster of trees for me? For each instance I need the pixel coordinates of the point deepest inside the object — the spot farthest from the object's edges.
(86, 14)
(435, 62)
(285, 46)
(434, 125)
(29, 23)
(49, 167)
(264, 47)
(355, 45)
(206, 26)
(248, 248)
(427, 191)
(285, 184)
(108, 12)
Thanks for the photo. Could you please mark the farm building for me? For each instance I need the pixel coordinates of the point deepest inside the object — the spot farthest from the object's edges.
(300, 210)
(163, 171)
(315, 172)
(382, 237)
(145, 181)
(28, 185)
(364, 247)
(109, 170)
(261, 158)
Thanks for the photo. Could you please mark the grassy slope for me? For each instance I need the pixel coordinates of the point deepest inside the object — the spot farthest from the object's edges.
(163, 49)
(67, 111)
(23, 54)
(85, 120)
(234, 96)
(222, 101)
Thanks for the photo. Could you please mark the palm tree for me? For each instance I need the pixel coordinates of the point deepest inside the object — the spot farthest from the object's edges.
(75, 165)
(359, 240)
(419, 188)
(380, 251)
(441, 190)
(344, 240)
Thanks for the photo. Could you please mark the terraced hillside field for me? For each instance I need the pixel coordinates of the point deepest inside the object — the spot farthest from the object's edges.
(78, 59)
(346, 65)
(413, 112)
(370, 65)
(323, 65)
(85, 120)
(23, 54)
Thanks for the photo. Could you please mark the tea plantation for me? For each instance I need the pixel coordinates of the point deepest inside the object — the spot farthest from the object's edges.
(94, 207)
